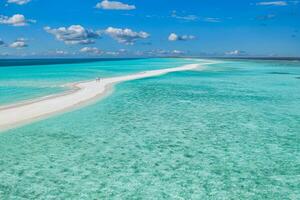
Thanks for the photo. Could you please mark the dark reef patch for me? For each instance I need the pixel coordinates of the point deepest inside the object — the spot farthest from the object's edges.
(283, 73)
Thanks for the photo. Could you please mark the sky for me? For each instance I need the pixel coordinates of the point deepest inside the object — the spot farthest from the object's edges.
(149, 28)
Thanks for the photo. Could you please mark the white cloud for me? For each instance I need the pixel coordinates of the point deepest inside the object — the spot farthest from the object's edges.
(122, 51)
(57, 52)
(114, 5)
(174, 37)
(185, 18)
(61, 52)
(93, 50)
(15, 20)
(266, 17)
(19, 2)
(212, 19)
(235, 53)
(272, 3)
(19, 43)
(74, 34)
(177, 52)
(189, 18)
(126, 36)
(112, 53)
(159, 52)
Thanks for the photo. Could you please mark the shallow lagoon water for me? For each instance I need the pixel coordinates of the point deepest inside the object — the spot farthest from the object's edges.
(230, 132)
(19, 83)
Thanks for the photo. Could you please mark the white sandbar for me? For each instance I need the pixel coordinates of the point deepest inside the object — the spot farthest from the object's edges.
(17, 114)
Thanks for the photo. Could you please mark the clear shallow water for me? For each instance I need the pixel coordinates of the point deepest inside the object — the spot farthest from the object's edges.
(230, 132)
(25, 82)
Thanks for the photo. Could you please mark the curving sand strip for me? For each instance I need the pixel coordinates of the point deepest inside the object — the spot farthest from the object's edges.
(83, 92)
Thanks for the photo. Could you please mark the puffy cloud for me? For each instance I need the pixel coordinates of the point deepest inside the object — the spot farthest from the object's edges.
(174, 37)
(114, 5)
(74, 34)
(236, 53)
(92, 50)
(177, 52)
(126, 36)
(15, 20)
(19, 43)
(19, 2)
(272, 3)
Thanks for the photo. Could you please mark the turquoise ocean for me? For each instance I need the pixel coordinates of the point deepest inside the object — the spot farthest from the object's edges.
(231, 131)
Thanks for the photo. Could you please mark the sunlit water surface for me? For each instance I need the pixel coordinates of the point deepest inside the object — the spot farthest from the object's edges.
(229, 132)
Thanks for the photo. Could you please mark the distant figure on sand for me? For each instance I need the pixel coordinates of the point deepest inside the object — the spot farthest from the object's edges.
(98, 79)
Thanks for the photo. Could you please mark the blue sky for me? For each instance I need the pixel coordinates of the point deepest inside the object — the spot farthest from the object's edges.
(96, 28)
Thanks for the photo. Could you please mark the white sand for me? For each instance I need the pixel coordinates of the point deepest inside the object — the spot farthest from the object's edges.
(17, 114)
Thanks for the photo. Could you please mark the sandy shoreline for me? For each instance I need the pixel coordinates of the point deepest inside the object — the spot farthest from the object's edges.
(81, 94)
